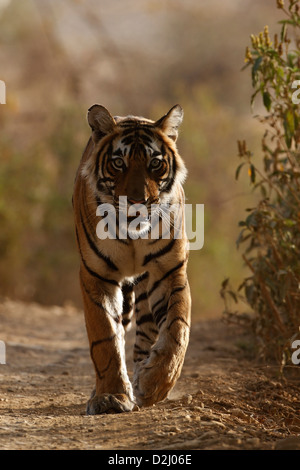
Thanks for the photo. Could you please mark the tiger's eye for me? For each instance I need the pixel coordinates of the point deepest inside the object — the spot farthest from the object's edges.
(118, 163)
(155, 164)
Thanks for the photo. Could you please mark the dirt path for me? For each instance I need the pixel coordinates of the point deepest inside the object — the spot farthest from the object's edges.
(222, 401)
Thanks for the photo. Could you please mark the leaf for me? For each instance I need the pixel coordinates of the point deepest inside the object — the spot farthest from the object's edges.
(225, 283)
(289, 223)
(242, 238)
(238, 170)
(251, 220)
(249, 293)
(233, 295)
(283, 30)
(257, 64)
(251, 172)
(289, 127)
(267, 100)
(291, 59)
(255, 69)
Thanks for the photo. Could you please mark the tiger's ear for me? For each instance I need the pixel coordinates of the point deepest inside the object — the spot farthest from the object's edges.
(100, 121)
(171, 121)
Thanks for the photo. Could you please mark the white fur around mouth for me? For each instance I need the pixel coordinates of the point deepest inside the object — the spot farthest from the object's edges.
(134, 230)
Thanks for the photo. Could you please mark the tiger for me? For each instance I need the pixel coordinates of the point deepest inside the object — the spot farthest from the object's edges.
(134, 277)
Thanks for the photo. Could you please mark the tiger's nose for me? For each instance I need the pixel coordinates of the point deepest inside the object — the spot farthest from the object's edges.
(137, 201)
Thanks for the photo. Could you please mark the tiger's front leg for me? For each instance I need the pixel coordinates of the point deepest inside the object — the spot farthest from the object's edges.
(170, 302)
(103, 316)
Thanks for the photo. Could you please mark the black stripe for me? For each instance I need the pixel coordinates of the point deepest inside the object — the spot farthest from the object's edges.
(161, 252)
(149, 132)
(168, 273)
(161, 321)
(98, 304)
(128, 130)
(118, 153)
(141, 297)
(102, 165)
(95, 249)
(158, 302)
(160, 313)
(133, 123)
(153, 331)
(178, 319)
(172, 173)
(100, 341)
(146, 139)
(178, 289)
(92, 273)
(141, 278)
(94, 344)
(105, 179)
(142, 333)
(127, 290)
(139, 350)
(166, 188)
(147, 318)
(163, 310)
(128, 140)
(108, 152)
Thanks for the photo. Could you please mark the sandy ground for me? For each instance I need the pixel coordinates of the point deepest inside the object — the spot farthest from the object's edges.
(223, 399)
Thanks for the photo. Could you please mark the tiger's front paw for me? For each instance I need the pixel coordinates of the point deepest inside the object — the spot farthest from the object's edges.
(155, 377)
(108, 403)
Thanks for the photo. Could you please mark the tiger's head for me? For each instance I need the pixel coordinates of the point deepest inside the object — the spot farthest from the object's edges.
(134, 157)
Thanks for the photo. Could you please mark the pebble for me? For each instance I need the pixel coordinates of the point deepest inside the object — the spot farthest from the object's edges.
(174, 429)
(189, 399)
(197, 408)
(238, 413)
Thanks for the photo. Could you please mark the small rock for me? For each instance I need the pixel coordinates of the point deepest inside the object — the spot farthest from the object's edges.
(238, 413)
(197, 408)
(174, 429)
(189, 399)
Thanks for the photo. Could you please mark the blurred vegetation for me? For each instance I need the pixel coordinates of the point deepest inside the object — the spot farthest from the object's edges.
(59, 58)
(270, 234)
